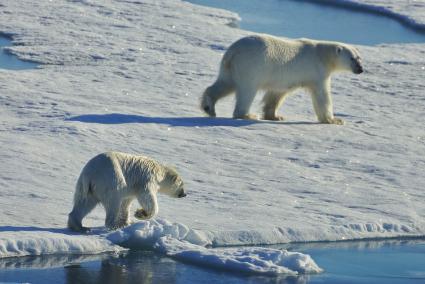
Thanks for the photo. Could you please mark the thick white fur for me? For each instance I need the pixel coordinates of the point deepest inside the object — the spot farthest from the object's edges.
(279, 66)
(115, 179)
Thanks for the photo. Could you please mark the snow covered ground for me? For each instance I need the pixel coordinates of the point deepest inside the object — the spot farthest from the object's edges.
(127, 76)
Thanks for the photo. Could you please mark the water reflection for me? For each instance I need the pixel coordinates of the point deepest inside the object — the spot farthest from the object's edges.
(131, 267)
(47, 261)
(127, 267)
(384, 261)
(148, 267)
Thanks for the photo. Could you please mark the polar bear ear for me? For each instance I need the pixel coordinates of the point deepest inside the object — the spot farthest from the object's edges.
(171, 174)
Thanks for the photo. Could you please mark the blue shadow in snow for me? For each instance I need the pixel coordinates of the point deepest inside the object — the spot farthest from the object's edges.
(33, 229)
(65, 231)
(117, 118)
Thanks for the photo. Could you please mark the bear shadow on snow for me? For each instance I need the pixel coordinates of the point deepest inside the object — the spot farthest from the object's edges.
(117, 118)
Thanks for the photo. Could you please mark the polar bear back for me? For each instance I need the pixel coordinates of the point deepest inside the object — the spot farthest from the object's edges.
(119, 171)
(263, 61)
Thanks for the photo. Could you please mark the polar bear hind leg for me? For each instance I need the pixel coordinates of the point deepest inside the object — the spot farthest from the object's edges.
(84, 203)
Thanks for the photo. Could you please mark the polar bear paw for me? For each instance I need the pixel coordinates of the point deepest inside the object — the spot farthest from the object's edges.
(141, 214)
(334, 120)
(76, 226)
(274, 118)
(250, 116)
(337, 121)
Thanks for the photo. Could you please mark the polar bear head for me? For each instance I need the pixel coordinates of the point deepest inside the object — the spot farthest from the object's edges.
(207, 103)
(348, 58)
(172, 184)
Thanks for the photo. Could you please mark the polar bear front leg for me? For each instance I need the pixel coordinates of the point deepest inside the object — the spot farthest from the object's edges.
(149, 204)
(244, 98)
(272, 102)
(112, 213)
(322, 103)
(124, 214)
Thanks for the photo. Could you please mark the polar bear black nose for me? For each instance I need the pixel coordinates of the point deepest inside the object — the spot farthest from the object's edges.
(359, 69)
(182, 194)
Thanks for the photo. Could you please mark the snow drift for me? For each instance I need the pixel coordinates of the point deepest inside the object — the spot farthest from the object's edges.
(23, 243)
(182, 243)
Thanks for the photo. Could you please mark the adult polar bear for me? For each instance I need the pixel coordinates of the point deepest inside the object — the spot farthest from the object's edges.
(115, 179)
(279, 66)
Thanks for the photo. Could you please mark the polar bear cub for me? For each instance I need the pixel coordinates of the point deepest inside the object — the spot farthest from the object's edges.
(278, 67)
(115, 179)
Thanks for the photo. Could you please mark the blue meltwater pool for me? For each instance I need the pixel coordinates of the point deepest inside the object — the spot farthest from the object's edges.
(295, 19)
(10, 61)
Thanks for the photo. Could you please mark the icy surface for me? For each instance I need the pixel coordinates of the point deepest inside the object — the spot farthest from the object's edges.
(146, 234)
(32, 241)
(242, 259)
(127, 76)
(175, 240)
(182, 243)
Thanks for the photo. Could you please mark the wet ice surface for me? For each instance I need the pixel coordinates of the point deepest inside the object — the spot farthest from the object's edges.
(347, 262)
(10, 61)
(295, 19)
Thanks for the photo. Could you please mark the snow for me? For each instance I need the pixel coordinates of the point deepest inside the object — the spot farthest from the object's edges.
(247, 260)
(127, 76)
(184, 244)
(27, 241)
(142, 235)
(174, 240)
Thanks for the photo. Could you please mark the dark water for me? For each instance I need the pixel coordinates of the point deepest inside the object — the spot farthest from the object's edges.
(295, 19)
(348, 262)
(10, 61)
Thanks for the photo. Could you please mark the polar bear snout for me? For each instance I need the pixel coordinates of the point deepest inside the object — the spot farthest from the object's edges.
(358, 69)
(181, 192)
(356, 65)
